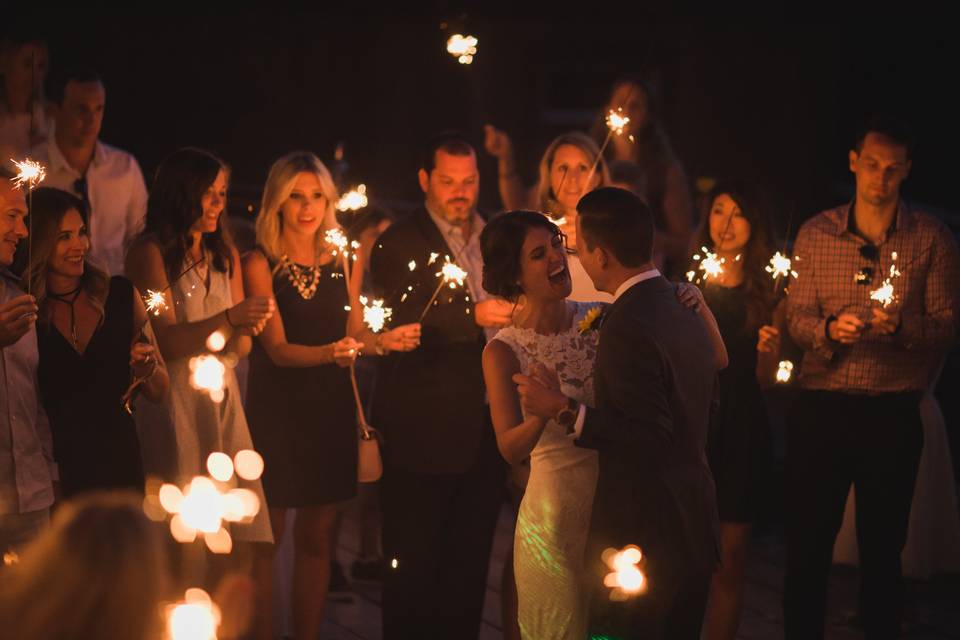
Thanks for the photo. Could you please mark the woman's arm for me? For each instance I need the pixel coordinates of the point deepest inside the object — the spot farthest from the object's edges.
(768, 346)
(512, 192)
(691, 296)
(144, 266)
(516, 437)
(145, 358)
(258, 281)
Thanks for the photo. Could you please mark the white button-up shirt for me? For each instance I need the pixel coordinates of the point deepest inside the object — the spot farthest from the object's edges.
(116, 193)
(27, 469)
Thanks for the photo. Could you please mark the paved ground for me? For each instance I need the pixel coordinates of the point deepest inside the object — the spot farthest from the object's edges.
(934, 607)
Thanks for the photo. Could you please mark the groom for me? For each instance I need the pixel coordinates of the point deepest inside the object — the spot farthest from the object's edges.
(654, 383)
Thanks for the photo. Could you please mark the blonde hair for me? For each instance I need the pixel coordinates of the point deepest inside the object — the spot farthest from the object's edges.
(99, 572)
(279, 186)
(546, 199)
(49, 206)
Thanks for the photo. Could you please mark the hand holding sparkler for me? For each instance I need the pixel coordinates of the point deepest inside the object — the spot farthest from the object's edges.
(847, 328)
(251, 314)
(768, 339)
(345, 351)
(886, 321)
(17, 317)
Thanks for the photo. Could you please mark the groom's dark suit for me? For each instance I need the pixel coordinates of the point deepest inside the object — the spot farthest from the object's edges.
(654, 383)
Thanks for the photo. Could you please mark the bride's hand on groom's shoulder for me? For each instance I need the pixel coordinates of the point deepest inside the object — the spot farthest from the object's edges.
(689, 295)
(540, 392)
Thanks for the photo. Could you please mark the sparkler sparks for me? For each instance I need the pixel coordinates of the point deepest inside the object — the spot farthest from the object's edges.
(616, 121)
(375, 315)
(449, 274)
(155, 301)
(196, 618)
(784, 372)
(452, 274)
(885, 294)
(462, 47)
(201, 507)
(709, 264)
(354, 199)
(207, 374)
(29, 172)
(626, 579)
(780, 266)
(412, 265)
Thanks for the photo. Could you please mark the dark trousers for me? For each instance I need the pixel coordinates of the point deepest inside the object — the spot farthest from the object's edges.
(833, 440)
(439, 529)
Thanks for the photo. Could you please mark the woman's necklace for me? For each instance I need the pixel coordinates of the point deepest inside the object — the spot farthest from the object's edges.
(69, 298)
(305, 279)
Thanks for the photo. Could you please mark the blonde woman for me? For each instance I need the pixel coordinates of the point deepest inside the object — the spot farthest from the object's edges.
(300, 402)
(89, 341)
(565, 169)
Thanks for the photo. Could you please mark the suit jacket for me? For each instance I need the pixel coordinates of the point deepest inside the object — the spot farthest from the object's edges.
(429, 403)
(654, 384)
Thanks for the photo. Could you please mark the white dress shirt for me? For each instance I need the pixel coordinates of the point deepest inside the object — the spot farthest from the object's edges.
(622, 289)
(117, 196)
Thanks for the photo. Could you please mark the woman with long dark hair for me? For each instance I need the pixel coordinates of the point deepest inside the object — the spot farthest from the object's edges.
(739, 445)
(185, 250)
(90, 347)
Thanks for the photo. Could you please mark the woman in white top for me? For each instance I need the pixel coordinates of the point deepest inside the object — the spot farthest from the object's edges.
(565, 169)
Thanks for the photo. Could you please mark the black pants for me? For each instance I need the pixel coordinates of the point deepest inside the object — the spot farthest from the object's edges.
(439, 529)
(833, 440)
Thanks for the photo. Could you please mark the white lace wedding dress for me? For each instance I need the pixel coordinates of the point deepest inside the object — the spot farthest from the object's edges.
(554, 516)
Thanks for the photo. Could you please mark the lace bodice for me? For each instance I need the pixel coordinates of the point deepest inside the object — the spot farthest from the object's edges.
(570, 353)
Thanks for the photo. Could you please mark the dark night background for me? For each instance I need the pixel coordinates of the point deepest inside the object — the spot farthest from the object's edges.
(777, 101)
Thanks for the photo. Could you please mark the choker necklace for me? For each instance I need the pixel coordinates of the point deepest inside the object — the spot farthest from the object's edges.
(68, 298)
(305, 279)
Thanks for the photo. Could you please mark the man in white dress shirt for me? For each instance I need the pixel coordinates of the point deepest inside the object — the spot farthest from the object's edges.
(107, 179)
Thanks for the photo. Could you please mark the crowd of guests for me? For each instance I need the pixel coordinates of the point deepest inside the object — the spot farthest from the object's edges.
(458, 428)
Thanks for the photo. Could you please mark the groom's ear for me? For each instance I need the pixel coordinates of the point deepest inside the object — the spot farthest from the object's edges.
(603, 258)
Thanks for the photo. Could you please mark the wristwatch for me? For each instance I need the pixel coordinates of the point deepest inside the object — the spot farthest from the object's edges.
(567, 417)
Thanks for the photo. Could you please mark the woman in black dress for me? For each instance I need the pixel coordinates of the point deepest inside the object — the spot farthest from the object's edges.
(739, 447)
(90, 348)
(300, 402)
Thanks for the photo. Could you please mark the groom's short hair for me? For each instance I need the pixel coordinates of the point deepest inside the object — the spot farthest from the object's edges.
(620, 222)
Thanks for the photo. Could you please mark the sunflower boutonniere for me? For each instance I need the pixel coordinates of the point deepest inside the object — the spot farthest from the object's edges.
(590, 321)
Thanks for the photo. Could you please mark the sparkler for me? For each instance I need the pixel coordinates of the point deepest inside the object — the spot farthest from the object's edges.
(29, 172)
(780, 266)
(201, 508)
(462, 47)
(616, 121)
(207, 374)
(353, 200)
(784, 372)
(449, 274)
(709, 264)
(375, 315)
(626, 579)
(885, 293)
(195, 618)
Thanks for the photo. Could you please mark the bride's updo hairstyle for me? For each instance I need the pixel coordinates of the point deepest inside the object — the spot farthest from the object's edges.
(501, 244)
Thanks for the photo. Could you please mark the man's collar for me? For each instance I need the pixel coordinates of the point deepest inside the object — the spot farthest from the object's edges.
(476, 222)
(846, 220)
(636, 279)
(59, 161)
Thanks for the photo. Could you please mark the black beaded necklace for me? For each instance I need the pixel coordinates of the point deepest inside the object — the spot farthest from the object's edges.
(69, 298)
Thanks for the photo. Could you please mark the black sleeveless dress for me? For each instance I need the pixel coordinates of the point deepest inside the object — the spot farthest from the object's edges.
(739, 443)
(303, 419)
(94, 439)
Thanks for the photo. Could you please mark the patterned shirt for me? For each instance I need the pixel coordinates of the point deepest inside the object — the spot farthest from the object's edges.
(838, 269)
(26, 447)
(467, 256)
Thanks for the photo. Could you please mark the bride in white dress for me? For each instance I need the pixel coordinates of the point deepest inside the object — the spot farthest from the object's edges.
(524, 255)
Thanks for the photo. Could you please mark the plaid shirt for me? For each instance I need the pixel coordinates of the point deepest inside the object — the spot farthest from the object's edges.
(829, 259)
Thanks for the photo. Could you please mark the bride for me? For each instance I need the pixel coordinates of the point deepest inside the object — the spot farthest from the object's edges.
(525, 254)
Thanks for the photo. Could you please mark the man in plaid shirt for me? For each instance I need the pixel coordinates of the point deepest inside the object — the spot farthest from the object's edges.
(864, 368)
